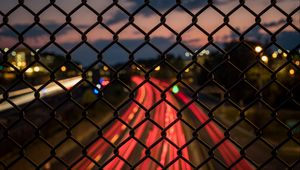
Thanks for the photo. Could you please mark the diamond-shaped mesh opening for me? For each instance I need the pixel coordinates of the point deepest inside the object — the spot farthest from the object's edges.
(64, 148)
(147, 15)
(162, 43)
(9, 146)
(243, 130)
(9, 6)
(226, 7)
(278, 96)
(271, 16)
(10, 35)
(237, 16)
(178, 14)
(259, 156)
(115, 53)
(16, 134)
(69, 106)
(16, 19)
(293, 35)
(88, 135)
(245, 97)
(134, 147)
(114, 24)
(194, 38)
(67, 37)
(273, 136)
(126, 38)
(33, 115)
(288, 155)
(53, 131)
(36, 35)
(149, 84)
(209, 25)
(23, 163)
(83, 12)
(69, 7)
(56, 18)
(37, 147)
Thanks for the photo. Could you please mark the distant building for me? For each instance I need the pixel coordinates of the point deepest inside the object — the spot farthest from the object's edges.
(21, 59)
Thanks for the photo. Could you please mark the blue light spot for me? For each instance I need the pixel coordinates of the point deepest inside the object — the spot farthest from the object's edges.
(95, 91)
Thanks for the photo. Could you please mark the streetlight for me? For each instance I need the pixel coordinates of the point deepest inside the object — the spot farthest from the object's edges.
(175, 89)
(265, 59)
(6, 49)
(36, 69)
(14, 53)
(284, 55)
(258, 49)
(187, 54)
(292, 72)
(275, 54)
(105, 68)
(157, 68)
(29, 70)
(63, 68)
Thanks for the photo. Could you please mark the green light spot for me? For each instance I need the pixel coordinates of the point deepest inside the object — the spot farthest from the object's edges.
(175, 89)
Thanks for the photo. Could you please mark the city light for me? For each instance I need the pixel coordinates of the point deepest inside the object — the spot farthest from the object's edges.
(98, 86)
(95, 91)
(36, 69)
(30, 70)
(157, 68)
(284, 55)
(265, 59)
(275, 54)
(258, 49)
(207, 52)
(279, 51)
(297, 63)
(105, 82)
(175, 89)
(63, 68)
(6, 49)
(105, 68)
(13, 53)
(187, 70)
(19, 64)
(204, 52)
(187, 54)
(292, 72)
(89, 73)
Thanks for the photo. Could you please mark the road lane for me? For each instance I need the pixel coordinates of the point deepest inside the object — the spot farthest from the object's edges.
(127, 149)
(163, 151)
(27, 95)
(228, 151)
(100, 147)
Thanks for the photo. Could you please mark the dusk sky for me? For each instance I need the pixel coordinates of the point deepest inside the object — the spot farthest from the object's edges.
(146, 19)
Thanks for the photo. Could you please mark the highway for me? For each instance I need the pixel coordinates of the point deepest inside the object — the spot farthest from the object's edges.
(24, 96)
(157, 144)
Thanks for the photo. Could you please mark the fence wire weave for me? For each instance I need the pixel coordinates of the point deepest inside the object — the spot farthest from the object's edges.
(228, 76)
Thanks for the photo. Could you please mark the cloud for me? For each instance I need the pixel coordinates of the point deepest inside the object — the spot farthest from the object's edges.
(275, 23)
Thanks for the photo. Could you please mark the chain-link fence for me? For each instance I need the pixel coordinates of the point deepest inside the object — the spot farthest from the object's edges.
(150, 84)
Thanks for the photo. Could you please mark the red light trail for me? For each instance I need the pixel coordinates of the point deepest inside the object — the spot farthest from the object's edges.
(164, 150)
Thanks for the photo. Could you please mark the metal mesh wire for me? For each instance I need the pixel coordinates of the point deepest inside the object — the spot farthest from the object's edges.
(19, 153)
